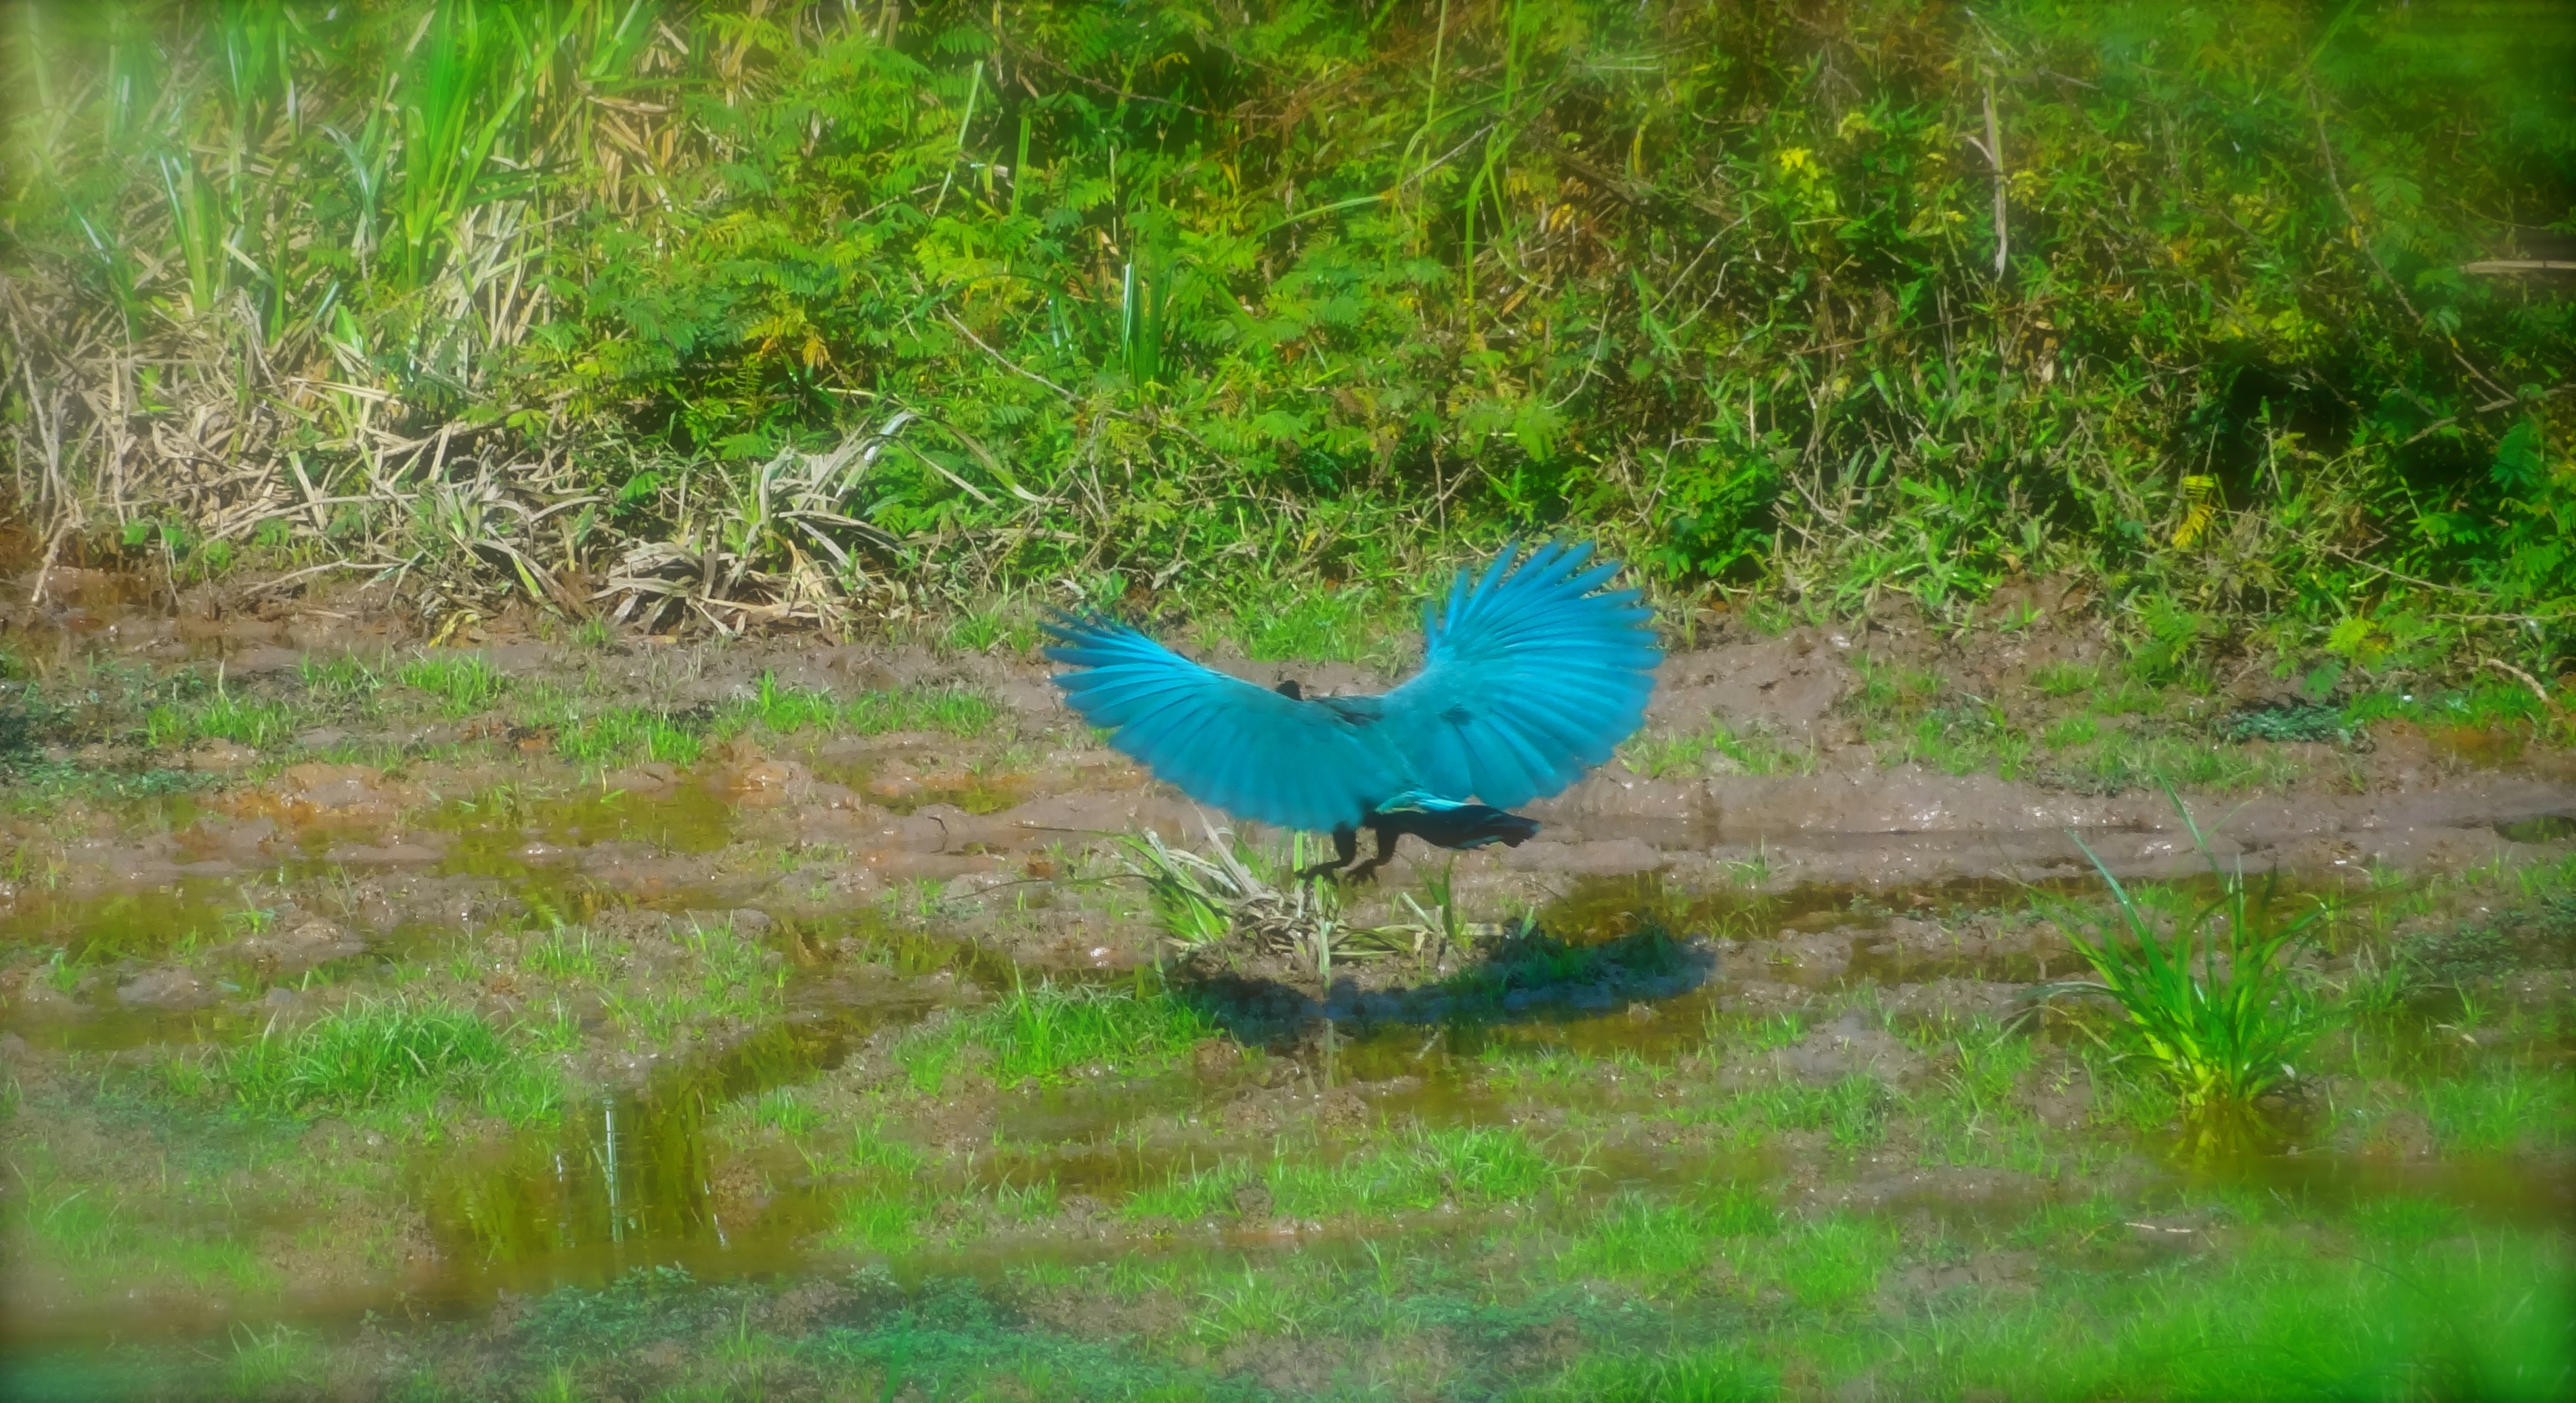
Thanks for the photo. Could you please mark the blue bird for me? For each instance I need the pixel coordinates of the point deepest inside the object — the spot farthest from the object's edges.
(1531, 675)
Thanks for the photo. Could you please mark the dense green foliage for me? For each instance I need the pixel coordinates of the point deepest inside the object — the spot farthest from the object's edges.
(1198, 293)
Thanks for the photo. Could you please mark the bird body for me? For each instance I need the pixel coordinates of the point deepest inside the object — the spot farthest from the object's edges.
(1532, 674)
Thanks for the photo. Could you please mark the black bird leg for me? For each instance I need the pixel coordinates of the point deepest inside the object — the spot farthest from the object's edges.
(1367, 871)
(1346, 845)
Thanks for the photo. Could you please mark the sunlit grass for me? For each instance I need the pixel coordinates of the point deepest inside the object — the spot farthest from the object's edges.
(390, 1057)
(2214, 1007)
(1405, 1171)
(1717, 749)
(463, 683)
(728, 976)
(781, 710)
(1046, 1032)
(227, 715)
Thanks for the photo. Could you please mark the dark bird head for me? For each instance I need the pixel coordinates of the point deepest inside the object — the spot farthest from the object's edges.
(1290, 690)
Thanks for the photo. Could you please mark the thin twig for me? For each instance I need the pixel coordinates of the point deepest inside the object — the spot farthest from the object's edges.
(1006, 362)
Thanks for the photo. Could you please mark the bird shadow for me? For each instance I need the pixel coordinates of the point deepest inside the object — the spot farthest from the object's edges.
(1521, 974)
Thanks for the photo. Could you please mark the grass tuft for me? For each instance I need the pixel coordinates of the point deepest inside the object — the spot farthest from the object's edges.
(2214, 1010)
(1050, 1032)
(390, 1057)
(463, 684)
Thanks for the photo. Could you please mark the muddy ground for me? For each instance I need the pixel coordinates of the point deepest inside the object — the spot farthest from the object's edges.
(1758, 1043)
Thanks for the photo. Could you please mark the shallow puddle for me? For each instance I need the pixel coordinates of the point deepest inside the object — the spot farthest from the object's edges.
(629, 1182)
(504, 832)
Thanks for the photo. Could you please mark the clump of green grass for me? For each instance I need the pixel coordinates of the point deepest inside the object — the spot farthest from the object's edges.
(955, 710)
(392, 1057)
(224, 716)
(628, 735)
(728, 976)
(2214, 1010)
(342, 679)
(567, 952)
(1415, 1170)
(464, 684)
(1003, 625)
(1664, 1247)
(2384, 1317)
(2072, 732)
(1890, 693)
(782, 711)
(2065, 679)
(1964, 740)
(883, 1216)
(1755, 1033)
(2299, 721)
(781, 1108)
(2500, 1110)
(1301, 621)
(1719, 749)
(2129, 760)
(1046, 1032)
(1829, 1264)
(1707, 1374)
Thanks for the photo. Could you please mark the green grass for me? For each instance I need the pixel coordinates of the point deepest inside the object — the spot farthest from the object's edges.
(1663, 1248)
(259, 724)
(1684, 1374)
(2065, 679)
(1412, 1170)
(462, 684)
(614, 736)
(628, 735)
(342, 678)
(2278, 1318)
(781, 710)
(1047, 1032)
(782, 1109)
(82, 1229)
(1719, 749)
(1314, 403)
(390, 1058)
(568, 952)
(2212, 1007)
(2130, 759)
(727, 977)
(2501, 1109)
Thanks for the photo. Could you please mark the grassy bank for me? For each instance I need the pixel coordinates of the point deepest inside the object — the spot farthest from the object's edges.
(733, 315)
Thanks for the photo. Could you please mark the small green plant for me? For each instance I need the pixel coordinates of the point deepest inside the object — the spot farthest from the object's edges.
(628, 735)
(1716, 750)
(391, 1056)
(60, 971)
(2065, 679)
(1046, 1032)
(955, 710)
(342, 679)
(2214, 1009)
(780, 1108)
(1235, 894)
(2296, 722)
(2072, 732)
(226, 715)
(464, 684)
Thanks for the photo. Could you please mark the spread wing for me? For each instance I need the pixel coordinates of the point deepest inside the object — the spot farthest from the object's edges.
(1529, 679)
(1220, 740)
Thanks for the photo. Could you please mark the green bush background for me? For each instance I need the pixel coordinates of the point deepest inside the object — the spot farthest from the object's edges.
(1165, 297)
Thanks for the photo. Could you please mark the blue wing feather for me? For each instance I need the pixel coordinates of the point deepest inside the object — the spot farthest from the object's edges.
(1220, 740)
(1531, 676)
